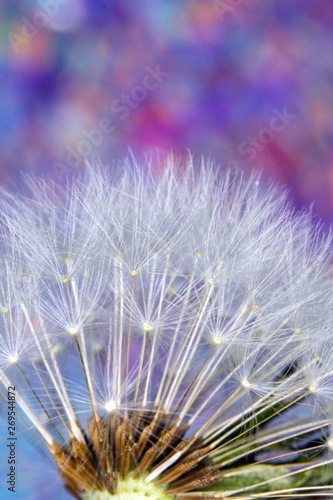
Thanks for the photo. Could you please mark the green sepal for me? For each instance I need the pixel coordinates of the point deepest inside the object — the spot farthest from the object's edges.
(253, 475)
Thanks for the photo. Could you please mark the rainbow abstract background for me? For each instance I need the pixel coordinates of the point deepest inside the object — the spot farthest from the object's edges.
(246, 83)
(75, 83)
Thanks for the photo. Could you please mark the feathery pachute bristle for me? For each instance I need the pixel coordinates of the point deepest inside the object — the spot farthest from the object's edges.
(172, 331)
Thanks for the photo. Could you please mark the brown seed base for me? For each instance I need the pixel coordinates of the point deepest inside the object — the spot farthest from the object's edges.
(135, 442)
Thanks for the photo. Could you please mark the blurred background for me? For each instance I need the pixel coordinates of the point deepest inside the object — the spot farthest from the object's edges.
(243, 82)
(246, 83)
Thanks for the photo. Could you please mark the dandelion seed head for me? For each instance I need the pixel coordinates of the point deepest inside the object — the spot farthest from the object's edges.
(169, 335)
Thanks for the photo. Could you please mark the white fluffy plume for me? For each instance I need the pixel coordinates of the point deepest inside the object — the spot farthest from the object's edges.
(195, 298)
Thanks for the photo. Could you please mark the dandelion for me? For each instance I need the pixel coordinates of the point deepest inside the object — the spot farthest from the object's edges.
(171, 336)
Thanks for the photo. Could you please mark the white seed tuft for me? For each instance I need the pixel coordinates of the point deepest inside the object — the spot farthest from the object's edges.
(187, 317)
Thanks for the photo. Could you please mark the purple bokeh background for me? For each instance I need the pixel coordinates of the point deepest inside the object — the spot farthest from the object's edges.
(247, 83)
(76, 72)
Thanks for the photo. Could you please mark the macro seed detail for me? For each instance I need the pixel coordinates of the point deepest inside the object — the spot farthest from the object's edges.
(118, 452)
(170, 335)
(133, 489)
